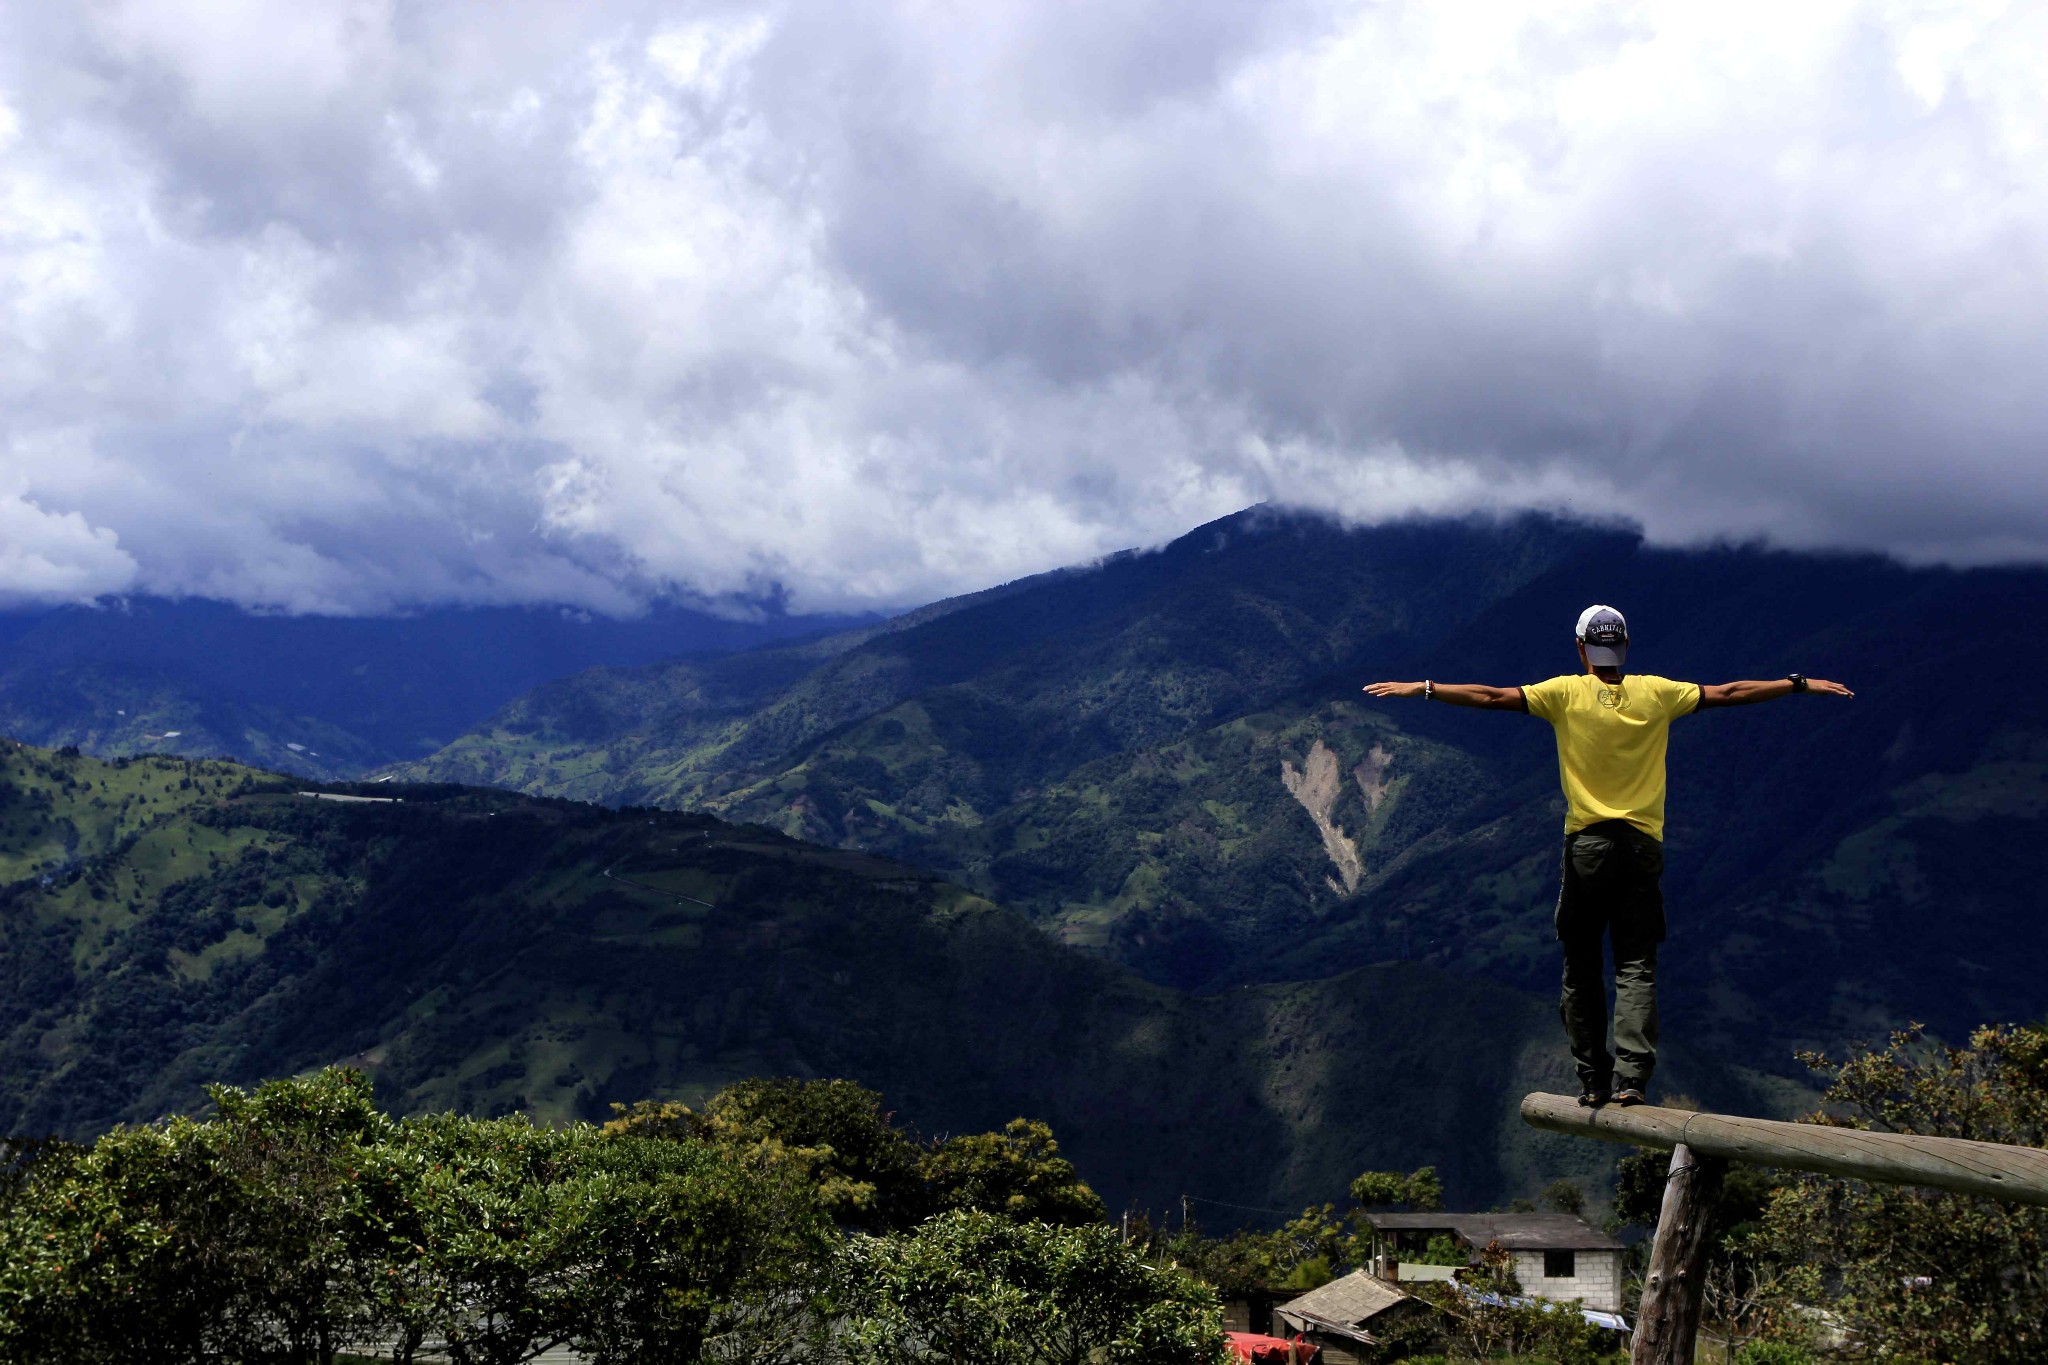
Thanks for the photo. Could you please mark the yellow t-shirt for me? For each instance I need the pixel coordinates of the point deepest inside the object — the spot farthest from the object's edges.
(1611, 743)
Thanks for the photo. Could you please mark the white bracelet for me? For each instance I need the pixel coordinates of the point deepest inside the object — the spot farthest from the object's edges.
(1428, 690)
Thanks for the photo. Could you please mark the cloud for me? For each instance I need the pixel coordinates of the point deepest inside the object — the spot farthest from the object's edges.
(45, 555)
(351, 305)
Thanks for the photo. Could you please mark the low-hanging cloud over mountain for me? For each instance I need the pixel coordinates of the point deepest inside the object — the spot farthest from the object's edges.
(346, 305)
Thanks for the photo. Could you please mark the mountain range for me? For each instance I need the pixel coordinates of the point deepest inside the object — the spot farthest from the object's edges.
(323, 696)
(1165, 759)
(1121, 846)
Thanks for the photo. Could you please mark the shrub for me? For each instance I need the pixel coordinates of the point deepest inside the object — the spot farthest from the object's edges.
(302, 1222)
(976, 1286)
(1923, 1272)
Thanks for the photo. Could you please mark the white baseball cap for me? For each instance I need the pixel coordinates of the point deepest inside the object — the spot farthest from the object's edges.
(1604, 633)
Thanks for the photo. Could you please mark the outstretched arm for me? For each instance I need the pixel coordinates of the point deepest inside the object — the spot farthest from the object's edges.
(1751, 692)
(1457, 694)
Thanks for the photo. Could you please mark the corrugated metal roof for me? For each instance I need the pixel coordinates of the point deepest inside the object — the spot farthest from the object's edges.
(1515, 1231)
(1352, 1299)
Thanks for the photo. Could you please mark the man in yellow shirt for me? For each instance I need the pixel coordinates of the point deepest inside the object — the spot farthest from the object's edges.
(1611, 738)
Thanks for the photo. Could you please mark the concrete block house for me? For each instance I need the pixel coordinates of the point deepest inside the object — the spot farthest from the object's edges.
(1557, 1256)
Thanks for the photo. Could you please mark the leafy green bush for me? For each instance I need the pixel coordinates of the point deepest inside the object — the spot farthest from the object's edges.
(975, 1286)
(1922, 1272)
(1443, 1249)
(1302, 1253)
(864, 1167)
(1420, 1190)
(180, 1240)
(869, 1173)
(302, 1222)
(1018, 1173)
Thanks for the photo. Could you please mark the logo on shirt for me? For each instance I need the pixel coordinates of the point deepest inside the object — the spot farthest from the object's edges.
(1613, 698)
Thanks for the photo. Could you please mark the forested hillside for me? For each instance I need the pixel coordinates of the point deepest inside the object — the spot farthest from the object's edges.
(1315, 929)
(320, 695)
(167, 924)
(1166, 757)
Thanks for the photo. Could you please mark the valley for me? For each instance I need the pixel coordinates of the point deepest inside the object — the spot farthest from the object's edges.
(467, 950)
(322, 696)
(1120, 847)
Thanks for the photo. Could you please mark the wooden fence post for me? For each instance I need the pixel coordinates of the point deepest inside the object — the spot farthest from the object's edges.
(1669, 1319)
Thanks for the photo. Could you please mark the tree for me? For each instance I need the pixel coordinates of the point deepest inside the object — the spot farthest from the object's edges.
(663, 1120)
(1303, 1253)
(1736, 1212)
(494, 1258)
(301, 1222)
(1018, 1173)
(1442, 1249)
(865, 1168)
(508, 1239)
(187, 1240)
(1419, 1190)
(973, 1286)
(684, 1245)
(1563, 1196)
(869, 1173)
(1922, 1272)
(1308, 1250)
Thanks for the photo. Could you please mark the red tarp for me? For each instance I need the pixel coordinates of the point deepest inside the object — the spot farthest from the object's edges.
(1258, 1350)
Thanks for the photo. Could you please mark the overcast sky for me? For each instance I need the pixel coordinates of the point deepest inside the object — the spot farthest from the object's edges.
(352, 305)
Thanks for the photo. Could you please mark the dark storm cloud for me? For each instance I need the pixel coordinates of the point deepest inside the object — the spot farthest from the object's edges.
(350, 304)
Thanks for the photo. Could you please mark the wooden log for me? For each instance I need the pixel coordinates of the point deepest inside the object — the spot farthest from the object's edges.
(1668, 1320)
(2015, 1174)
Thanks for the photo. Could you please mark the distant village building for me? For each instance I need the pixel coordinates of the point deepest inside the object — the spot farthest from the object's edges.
(1348, 1317)
(1251, 1310)
(1557, 1255)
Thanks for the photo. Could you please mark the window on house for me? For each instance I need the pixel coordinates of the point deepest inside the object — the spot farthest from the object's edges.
(1560, 1265)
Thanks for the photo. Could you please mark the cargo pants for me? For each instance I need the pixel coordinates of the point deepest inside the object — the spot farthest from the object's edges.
(1611, 892)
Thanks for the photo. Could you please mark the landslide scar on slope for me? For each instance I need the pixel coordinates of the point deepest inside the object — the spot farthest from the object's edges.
(1372, 778)
(1317, 784)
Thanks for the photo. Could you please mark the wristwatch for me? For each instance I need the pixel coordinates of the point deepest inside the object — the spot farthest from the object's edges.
(1798, 681)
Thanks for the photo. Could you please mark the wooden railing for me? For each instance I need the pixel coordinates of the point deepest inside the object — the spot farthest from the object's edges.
(2018, 1174)
(1701, 1145)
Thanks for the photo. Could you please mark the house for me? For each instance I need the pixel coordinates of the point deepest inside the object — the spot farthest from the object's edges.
(1349, 1316)
(1556, 1255)
(1251, 1310)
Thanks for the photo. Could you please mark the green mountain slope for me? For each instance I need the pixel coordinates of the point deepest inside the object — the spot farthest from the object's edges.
(170, 924)
(990, 694)
(110, 710)
(318, 695)
(1166, 757)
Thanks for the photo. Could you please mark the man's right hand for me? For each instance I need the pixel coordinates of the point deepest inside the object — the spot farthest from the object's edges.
(1394, 689)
